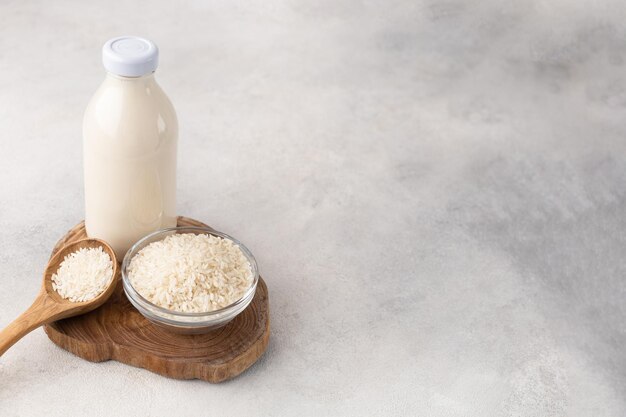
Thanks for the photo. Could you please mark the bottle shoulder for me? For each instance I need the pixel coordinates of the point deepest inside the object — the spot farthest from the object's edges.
(147, 100)
(130, 116)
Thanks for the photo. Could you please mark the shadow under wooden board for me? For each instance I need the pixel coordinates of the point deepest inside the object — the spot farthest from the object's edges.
(117, 331)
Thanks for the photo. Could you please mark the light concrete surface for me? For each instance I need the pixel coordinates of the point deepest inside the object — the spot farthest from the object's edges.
(434, 191)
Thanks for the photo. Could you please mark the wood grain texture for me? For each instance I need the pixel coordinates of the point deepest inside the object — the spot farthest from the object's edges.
(119, 332)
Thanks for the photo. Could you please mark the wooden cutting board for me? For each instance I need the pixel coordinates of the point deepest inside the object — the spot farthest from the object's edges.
(119, 332)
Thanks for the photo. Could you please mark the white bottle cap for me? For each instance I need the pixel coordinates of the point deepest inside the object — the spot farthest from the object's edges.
(130, 56)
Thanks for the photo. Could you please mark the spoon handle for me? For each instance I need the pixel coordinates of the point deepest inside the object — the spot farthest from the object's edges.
(42, 311)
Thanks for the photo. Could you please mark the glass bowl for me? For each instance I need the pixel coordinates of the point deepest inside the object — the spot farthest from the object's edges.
(177, 321)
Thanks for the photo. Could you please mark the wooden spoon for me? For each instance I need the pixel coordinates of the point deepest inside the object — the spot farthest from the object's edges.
(49, 305)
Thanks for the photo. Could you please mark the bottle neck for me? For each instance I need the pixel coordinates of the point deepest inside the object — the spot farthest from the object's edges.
(144, 79)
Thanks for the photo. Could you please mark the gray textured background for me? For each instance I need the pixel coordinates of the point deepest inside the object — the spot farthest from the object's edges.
(434, 192)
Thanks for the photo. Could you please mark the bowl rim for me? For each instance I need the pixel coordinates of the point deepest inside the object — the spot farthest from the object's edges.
(133, 293)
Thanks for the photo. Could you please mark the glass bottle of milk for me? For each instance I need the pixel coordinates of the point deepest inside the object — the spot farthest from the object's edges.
(130, 132)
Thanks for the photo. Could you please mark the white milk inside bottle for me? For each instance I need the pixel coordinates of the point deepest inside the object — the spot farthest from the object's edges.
(130, 132)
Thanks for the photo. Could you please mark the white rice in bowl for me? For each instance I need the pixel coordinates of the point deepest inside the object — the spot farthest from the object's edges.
(191, 273)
